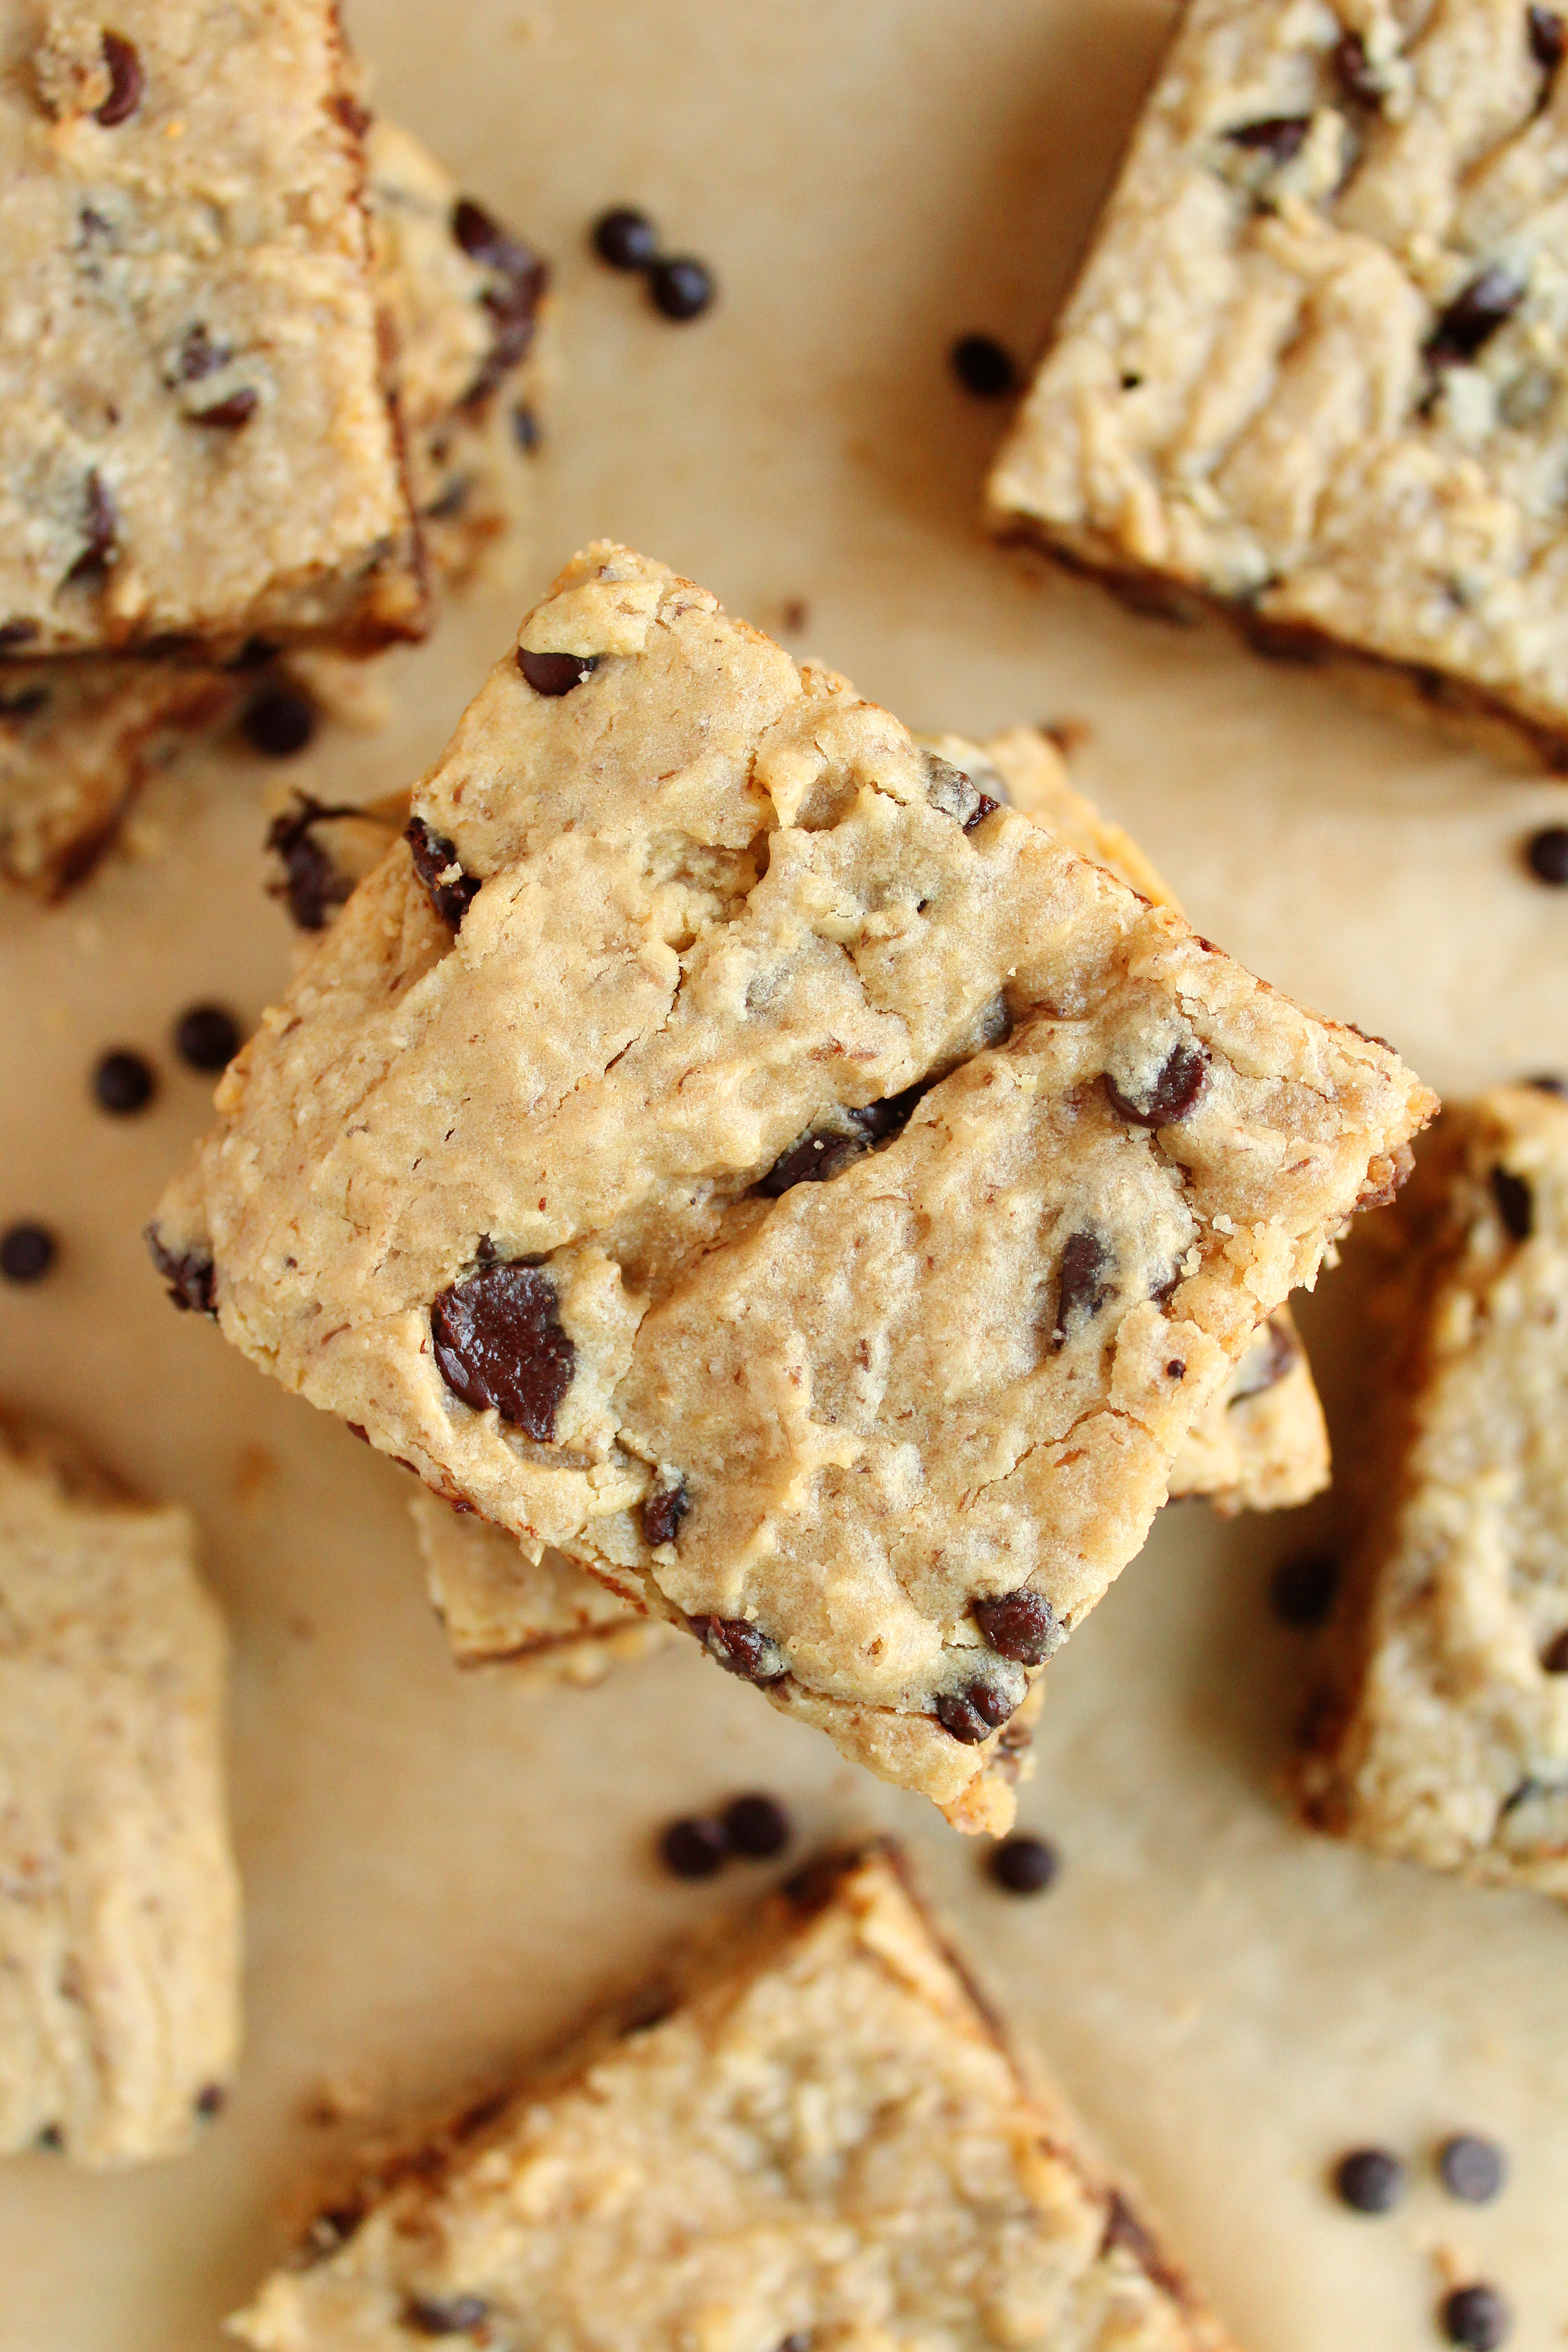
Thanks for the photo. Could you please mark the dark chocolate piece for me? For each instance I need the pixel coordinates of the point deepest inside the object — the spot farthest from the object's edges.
(101, 523)
(625, 238)
(126, 82)
(1477, 2318)
(1020, 1625)
(1302, 1588)
(973, 1713)
(662, 1513)
(454, 2314)
(757, 1826)
(1369, 2181)
(499, 1343)
(741, 1648)
(433, 857)
(124, 1083)
(279, 721)
(312, 884)
(983, 366)
(191, 1279)
(1546, 854)
(1277, 136)
(554, 674)
(1024, 1865)
(1474, 316)
(681, 288)
(206, 1038)
(229, 414)
(695, 1848)
(27, 1252)
(1471, 2169)
(1515, 1203)
(1174, 1094)
(1083, 1284)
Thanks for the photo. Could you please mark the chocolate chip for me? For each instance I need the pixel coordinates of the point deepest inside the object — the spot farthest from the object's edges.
(1277, 136)
(1474, 316)
(878, 1120)
(16, 632)
(499, 1342)
(26, 1253)
(973, 1713)
(279, 721)
(1369, 2181)
(1477, 2318)
(1021, 1625)
(815, 1159)
(695, 1848)
(191, 1279)
(625, 238)
(50, 2137)
(1024, 1865)
(757, 1826)
(124, 1083)
(1174, 1094)
(312, 884)
(1546, 854)
(211, 2099)
(956, 794)
(26, 704)
(1083, 1284)
(983, 366)
(1515, 1203)
(1353, 72)
(741, 1648)
(555, 673)
(525, 429)
(1302, 1588)
(101, 523)
(1548, 36)
(484, 240)
(663, 1512)
(228, 415)
(1546, 1082)
(433, 857)
(206, 1038)
(1554, 1657)
(1175, 1369)
(1471, 2169)
(681, 288)
(444, 2315)
(200, 356)
(125, 82)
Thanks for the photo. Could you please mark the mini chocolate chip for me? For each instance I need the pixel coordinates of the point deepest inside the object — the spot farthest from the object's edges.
(206, 1038)
(555, 674)
(815, 1159)
(200, 356)
(1471, 2169)
(1277, 136)
(681, 289)
(1353, 72)
(1515, 1203)
(229, 414)
(279, 721)
(429, 2315)
(892, 1113)
(1548, 36)
(1546, 1082)
(1174, 1094)
(125, 81)
(1474, 316)
(985, 806)
(191, 1279)
(434, 856)
(499, 1342)
(1083, 1283)
(124, 1082)
(1477, 2318)
(101, 523)
(1024, 1865)
(757, 1826)
(741, 1648)
(973, 1713)
(1302, 1588)
(26, 1253)
(51, 2137)
(1554, 1657)
(1175, 1369)
(695, 1848)
(1021, 1625)
(525, 429)
(625, 238)
(1369, 2181)
(663, 1512)
(312, 884)
(1546, 854)
(983, 366)
(211, 2099)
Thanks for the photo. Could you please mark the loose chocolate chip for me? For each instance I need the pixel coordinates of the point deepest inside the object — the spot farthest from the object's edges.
(228, 415)
(681, 288)
(1277, 136)
(1083, 1284)
(1301, 1591)
(124, 1083)
(1546, 854)
(1477, 2318)
(51, 2137)
(211, 2099)
(434, 859)
(1548, 37)
(1353, 72)
(312, 884)
(1175, 1091)
(26, 1253)
(206, 1038)
(445, 2314)
(983, 366)
(1370, 2180)
(757, 1826)
(663, 1512)
(499, 1342)
(973, 1713)
(1020, 1625)
(278, 722)
(101, 523)
(625, 238)
(125, 81)
(1024, 1865)
(1554, 1657)
(1474, 316)
(200, 356)
(525, 429)
(191, 1279)
(741, 1648)
(555, 673)
(1515, 1203)
(484, 240)
(695, 1848)
(815, 1159)
(1471, 2169)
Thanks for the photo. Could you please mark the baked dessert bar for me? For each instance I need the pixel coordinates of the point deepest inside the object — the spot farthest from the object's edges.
(1313, 369)
(500, 1605)
(119, 1900)
(821, 2139)
(1442, 1733)
(722, 1144)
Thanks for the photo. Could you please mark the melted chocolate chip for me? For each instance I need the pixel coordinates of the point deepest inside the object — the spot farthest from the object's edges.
(1277, 136)
(1369, 2181)
(1024, 1865)
(695, 1848)
(278, 722)
(815, 1159)
(26, 1253)
(499, 1342)
(1083, 1283)
(555, 674)
(206, 1038)
(625, 238)
(125, 82)
(681, 288)
(1471, 2169)
(200, 356)
(101, 523)
(973, 1713)
(1477, 2318)
(1548, 37)
(124, 1083)
(1554, 1657)
(756, 1826)
(892, 1113)
(312, 884)
(454, 2314)
(433, 857)
(983, 366)
(1020, 1625)
(663, 1512)
(228, 415)
(1546, 854)
(1301, 1591)
(741, 1648)
(1474, 316)
(191, 1279)
(1353, 71)
(1515, 1203)
(1176, 1092)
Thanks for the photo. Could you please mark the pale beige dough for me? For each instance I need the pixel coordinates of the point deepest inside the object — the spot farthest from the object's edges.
(501, 1605)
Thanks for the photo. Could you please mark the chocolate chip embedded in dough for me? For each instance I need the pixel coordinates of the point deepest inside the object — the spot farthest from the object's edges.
(1353, 72)
(456, 2315)
(1471, 2169)
(1174, 1094)
(228, 415)
(312, 884)
(191, 1278)
(1369, 2181)
(1546, 854)
(484, 240)
(210, 2100)
(1478, 2317)
(1474, 316)
(1266, 1363)
(16, 632)
(662, 1513)
(200, 356)
(1554, 1657)
(1020, 1625)
(525, 430)
(741, 1648)
(499, 1343)
(1515, 1203)
(1083, 1284)
(815, 1159)
(433, 857)
(972, 1714)
(126, 82)
(554, 674)
(1277, 136)
(100, 521)
(956, 794)
(1548, 37)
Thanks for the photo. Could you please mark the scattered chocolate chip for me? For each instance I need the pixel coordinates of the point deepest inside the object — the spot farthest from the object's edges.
(1548, 36)
(499, 1342)
(200, 356)
(555, 673)
(1174, 1094)
(125, 81)
(1369, 2181)
(1546, 854)
(525, 429)
(26, 1253)
(1474, 316)
(1515, 1203)
(1353, 72)
(695, 1848)
(228, 415)
(206, 1038)
(101, 523)
(433, 857)
(681, 288)
(663, 1512)
(973, 1713)
(279, 721)
(1024, 1865)
(815, 1159)
(625, 238)
(312, 884)
(51, 2137)
(1083, 1284)
(1477, 2318)
(16, 632)
(124, 1083)
(983, 366)
(1554, 1657)
(191, 1279)
(757, 1826)
(741, 1648)
(1277, 136)
(1021, 1625)
(1302, 1588)
(445, 2314)
(211, 2099)
(1471, 2169)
